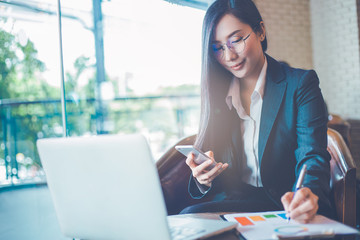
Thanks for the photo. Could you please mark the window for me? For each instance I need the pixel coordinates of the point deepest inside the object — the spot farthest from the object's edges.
(151, 56)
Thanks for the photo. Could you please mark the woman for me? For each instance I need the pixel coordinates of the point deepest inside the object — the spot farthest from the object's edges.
(261, 121)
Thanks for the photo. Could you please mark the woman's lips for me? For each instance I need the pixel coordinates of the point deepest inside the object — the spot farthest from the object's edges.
(238, 66)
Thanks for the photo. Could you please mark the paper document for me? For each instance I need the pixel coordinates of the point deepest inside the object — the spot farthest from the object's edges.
(274, 225)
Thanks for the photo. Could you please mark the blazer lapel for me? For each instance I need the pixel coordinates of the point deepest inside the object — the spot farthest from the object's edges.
(274, 92)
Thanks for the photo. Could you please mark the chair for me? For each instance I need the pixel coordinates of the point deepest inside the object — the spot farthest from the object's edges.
(343, 178)
(341, 126)
(174, 176)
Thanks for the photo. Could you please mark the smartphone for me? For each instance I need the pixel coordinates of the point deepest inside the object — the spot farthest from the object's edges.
(200, 157)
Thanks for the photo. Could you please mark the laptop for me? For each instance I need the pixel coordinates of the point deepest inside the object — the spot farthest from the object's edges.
(107, 187)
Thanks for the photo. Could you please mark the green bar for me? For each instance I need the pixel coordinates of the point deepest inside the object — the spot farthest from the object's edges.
(270, 216)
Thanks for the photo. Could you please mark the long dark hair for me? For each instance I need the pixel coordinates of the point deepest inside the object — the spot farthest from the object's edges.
(215, 120)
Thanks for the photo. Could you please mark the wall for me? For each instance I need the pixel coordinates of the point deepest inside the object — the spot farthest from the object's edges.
(319, 34)
(288, 30)
(335, 40)
(324, 35)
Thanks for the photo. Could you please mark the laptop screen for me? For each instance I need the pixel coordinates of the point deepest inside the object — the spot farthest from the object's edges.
(105, 187)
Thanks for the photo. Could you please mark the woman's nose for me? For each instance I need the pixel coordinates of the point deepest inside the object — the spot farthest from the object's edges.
(229, 55)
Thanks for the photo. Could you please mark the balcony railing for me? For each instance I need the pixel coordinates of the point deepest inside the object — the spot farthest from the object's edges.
(162, 119)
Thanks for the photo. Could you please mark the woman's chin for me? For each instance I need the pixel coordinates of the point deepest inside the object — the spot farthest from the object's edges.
(239, 74)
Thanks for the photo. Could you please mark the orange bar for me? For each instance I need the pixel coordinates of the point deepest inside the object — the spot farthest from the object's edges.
(256, 218)
(244, 221)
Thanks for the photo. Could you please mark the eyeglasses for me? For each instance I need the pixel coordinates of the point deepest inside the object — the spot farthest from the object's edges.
(235, 43)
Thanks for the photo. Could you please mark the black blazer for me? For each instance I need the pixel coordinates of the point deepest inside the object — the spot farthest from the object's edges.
(293, 131)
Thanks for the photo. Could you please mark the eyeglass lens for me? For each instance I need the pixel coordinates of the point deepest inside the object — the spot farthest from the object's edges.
(235, 44)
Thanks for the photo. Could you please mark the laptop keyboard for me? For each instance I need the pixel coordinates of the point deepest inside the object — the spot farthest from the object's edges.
(178, 233)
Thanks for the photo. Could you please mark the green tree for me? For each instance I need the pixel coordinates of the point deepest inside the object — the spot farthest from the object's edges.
(19, 66)
(20, 79)
(78, 108)
(8, 61)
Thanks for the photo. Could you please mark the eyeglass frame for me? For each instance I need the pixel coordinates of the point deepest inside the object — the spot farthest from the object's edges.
(222, 46)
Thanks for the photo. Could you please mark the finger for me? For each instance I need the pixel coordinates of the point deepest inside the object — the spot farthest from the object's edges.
(307, 209)
(190, 161)
(210, 175)
(202, 168)
(207, 178)
(219, 171)
(215, 171)
(225, 166)
(210, 154)
(286, 200)
(305, 217)
(301, 195)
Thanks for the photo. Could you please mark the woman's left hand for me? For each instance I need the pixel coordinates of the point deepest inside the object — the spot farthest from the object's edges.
(303, 206)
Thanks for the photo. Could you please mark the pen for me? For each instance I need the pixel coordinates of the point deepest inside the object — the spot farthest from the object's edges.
(299, 182)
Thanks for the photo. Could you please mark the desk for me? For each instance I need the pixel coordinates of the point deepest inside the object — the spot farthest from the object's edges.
(28, 213)
(231, 235)
(235, 236)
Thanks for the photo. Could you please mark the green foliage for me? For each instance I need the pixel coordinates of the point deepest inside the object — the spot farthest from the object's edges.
(19, 66)
(72, 80)
(185, 89)
(21, 78)
(8, 61)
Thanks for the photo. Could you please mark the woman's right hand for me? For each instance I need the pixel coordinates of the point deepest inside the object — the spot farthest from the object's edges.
(203, 175)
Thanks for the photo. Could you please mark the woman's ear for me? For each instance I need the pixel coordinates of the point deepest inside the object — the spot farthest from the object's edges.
(262, 32)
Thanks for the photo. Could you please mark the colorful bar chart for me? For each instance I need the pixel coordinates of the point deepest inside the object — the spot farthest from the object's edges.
(254, 219)
(274, 224)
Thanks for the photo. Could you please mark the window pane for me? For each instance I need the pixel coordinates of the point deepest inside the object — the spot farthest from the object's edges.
(150, 50)
(29, 83)
(151, 84)
(152, 71)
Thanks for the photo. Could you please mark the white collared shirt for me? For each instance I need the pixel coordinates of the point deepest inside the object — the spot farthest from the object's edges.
(249, 126)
